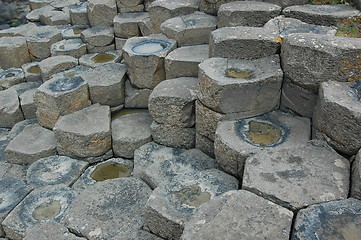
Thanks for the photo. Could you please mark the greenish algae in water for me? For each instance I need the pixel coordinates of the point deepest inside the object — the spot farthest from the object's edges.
(77, 31)
(263, 134)
(110, 170)
(9, 75)
(103, 57)
(193, 196)
(70, 74)
(62, 47)
(237, 73)
(34, 69)
(126, 111)
(47, 210)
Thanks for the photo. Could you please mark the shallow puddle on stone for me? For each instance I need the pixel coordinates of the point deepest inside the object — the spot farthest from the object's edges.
(126, 111)
(47, 210)
(9, 75)
(77, 31)
(34, 69)
(70, 74)
(193, 196)
(110, 170)
(149, 47)
(103, 57)
(62, 47)
(65, 84)
(237, 73)
(263, 134)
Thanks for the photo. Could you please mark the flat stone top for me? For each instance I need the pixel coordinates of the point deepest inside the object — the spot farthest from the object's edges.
(181, 88)
(12, 42)
(11, 73)
(104, 75)
(9, 99)
(102, 2)
(93, 119)
(130, 17)
(332, 10)
(249, 6)
(50, 230)
(21, 30)
(68, 44)
(43, 33)
(228, 71)
(332, 220)
(239, 215)
(132, 126)
(244, 33)
(191, 21)
(173, 4)
(299, 176)
(96, 59)
(97, 32)
(197, 53)
(56, 86)
(72, 72)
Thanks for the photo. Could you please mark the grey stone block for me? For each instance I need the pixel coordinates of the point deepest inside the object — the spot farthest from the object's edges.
(337, 116)
(333, 220)
(10, 112)
(98, 36)
(34, 16)
(79, 14)
(13, 52)
(50, 230)
(156, 164)
(97, 59)
(171, 206)
(54, 17)
(58, 97)
(147, 28)
(124, 9)
(235, 141)
(299, 176)
(32, 72)
(130, 132)
(136, 235)
(239, 215)
(94, 49)
(240, 87)
(144, 57)
(56, 64)
(36, 4)
(244, 42)
(119, 43)
(72, 72)
(21, 30)
(11, 77)
(41, 205)
(205, 144)
(106, 84)
(212, 6)
(73, 32)
(173, 136)
(54, 170)
(63, 4)
(12, 170)
(286, 3)
(207, 120)
(25, 86)
(327, 15)
(136, 97)
(126, 25)
(110, 169)
(191, 29)
(19, 127)
(101, 12)
(183, 61)
(172, 102)
(108, 208)
(246, 13)
(71, 47)
(355, 190)
(27, 104)
(85, 133)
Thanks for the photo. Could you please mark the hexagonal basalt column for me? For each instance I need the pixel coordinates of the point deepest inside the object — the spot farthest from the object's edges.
(207, 120)
(246, 13)
(32, 72)
(11, 77)
(244, 42)
(79, 14)
(97, 37)
(240, 88)
(190, 29)
(300, 176)
(10, 112)
(172, 205)
(337, 118)
(54, 17)
(136, 97)
(45, 204)
(101, 12)
(128, 6)
(36, 4)
(144, 57)
(97, 59)
(212, 6)
(58, 97)
(71, 47)
(50, 230)
(73, 32)
(224, 217)
(126, 25)
(235, 141)
(13, 52)
(85, 133)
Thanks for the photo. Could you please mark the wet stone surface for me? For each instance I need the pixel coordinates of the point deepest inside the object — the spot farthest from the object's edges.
(65, 84)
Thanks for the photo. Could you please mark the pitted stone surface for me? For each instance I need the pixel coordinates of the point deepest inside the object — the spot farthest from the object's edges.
(156, 164)
(126, 25)
(110, 169)
(106, 84)
(13, 52)
(327, 15)
(54, 17)
(299, 176)
(41, 205)
(10, 112)
(11, 77)
(58, 97)
(98, 36)
(73, 32)
(224, 217)
(235, 141)
(130, 132)
(109, 208)
(54, 170)
(144, 58)
(41, 39)
(205, 144)
(79, 14)
(27, 103)
(101, 12)
(173, 102)
(241, 88)
(136, 235)
(50, 230)
(19, 31)
(136, 97)
(212, 6)
(128, 6)
(191, 29)
(332, 220)
(12, 170)
(172, 205)
(339, 107)
(85, 133)
(56, 64)
(71, 47)
(244, 42)
(97, 59)
(33, 143)
(207, 120)
(355, 190)
(246, 13)
(183, 61)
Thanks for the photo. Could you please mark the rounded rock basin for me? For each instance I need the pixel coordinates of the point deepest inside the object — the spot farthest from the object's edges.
(239, 73)
(149, 47)
(10, 74)
(65, 84)
(110, 170)
(102, 58)
(34, 69)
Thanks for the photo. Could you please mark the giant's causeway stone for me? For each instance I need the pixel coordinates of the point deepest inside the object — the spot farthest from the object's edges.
(12, 170)
(36, 4)
(240, 88)
(337, 117)
(207, 120)
(191, 29)
(101, 12)
(126, 25)
(41, 205)
(54, 17)
(56, 64)
(355, 190)
(11, 77)
(130, 6)
(239, 215)
(58, 97)
(144, 57)
(98, 36)
(19, 127)
(72, 72)
(332, 220)
(299, 176)
(33, 143)
(108, 208)
(130, 132)
(172, 205)
(156, 164)
(19, 31)
(136, 97)
(236, 140)
(79, 14)
(34, 16)
(27, 104)
(73, 32)
(54, 170)
(32, 72)
(97, 59)
(71, 47)
(85, 133)
(10, 112)
(212, 6)
(50, 230)
(41, 39)
(205, 144)
(13, 52)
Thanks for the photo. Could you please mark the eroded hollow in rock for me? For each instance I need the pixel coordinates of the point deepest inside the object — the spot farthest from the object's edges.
(126, 111)
(77, 31)
(110, 170)
(239, 73)
(65, 84)
(103, 58)
(47, 210)
(9, 75)
(34, 69)
(192, 195)
(151, 46)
